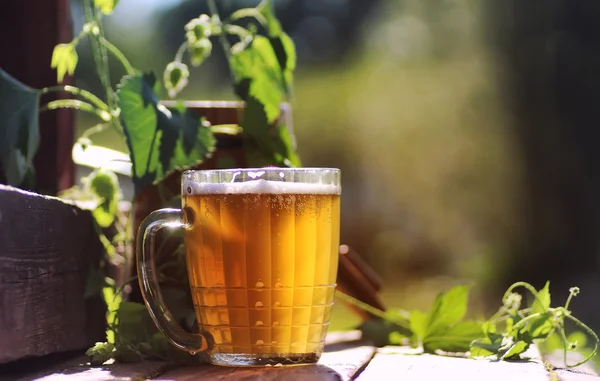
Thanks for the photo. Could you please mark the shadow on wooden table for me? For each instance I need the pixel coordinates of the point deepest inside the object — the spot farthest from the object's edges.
(210, 372)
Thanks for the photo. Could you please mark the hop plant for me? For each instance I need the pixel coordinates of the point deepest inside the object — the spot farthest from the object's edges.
(199, 51)
(198, 29)
(176, 77)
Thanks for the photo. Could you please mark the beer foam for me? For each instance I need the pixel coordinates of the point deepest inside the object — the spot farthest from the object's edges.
(258, 187)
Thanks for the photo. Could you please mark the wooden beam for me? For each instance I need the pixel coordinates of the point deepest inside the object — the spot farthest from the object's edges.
(47, 248)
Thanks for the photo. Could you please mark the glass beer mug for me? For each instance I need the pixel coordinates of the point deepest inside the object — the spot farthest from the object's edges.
(262, 255)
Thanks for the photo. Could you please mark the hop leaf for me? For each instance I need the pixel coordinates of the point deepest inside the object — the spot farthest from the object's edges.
(199, 51)
(105, 185)
(176, 77)
(198, 29)
(64, 60)
(100, 353)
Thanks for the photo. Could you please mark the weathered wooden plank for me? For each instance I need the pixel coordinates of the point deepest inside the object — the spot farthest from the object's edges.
(348, 362)
(340, 362)
(584, 372)
(343, 358)
(47, 248)
(573, 375)
(400, 363)
(78, 370)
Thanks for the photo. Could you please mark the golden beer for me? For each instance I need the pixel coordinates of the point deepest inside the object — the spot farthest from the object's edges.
(262, 264)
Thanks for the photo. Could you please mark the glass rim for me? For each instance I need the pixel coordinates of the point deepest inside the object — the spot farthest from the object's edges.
(278, 169)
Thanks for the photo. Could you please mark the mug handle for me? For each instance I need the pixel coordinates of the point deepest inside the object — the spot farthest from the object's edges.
(147, 275)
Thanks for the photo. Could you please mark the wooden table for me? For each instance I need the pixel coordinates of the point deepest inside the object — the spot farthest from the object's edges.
(347, 357)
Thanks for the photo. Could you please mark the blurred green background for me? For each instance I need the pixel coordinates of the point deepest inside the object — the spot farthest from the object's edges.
(446, 119)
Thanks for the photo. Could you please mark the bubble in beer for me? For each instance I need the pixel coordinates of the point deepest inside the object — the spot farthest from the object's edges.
(259, 284)
(275, 323)
(273, 342)
(258, 304)
(259, 342)
(189, 189)
(278, 285)
(259, 323)
(277, 304)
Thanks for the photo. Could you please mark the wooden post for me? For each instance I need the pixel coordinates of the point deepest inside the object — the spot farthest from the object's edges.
(30, 30)
(47, 249)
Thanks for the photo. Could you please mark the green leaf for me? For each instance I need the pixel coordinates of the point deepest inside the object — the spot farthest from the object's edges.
(379, 330)
(448, 309)
(541, 327)
(111, 298)
(64, 60)
(286, 54)
(485, 347)
(104, 185)
(105, 213)
(131, 312)
(16, 167)
(285, 150)
(551, 344)
(441, 328)
(106, 6)
(457, 338)
(396, 338)
(126, 354)
(418, 324)
(258, 64)
(113, 301)
(160, 140)
(275, 149)
(262, 75)
(273, 25)
(541, 304)
(177, 301)
(515, 350)
(19, 132)
(489, 330)
(100, 353)
(282, 45)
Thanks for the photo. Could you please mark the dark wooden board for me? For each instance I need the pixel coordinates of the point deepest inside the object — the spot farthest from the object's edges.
(47, 248)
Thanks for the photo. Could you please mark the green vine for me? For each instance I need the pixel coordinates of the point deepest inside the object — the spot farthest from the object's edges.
(507, 335)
